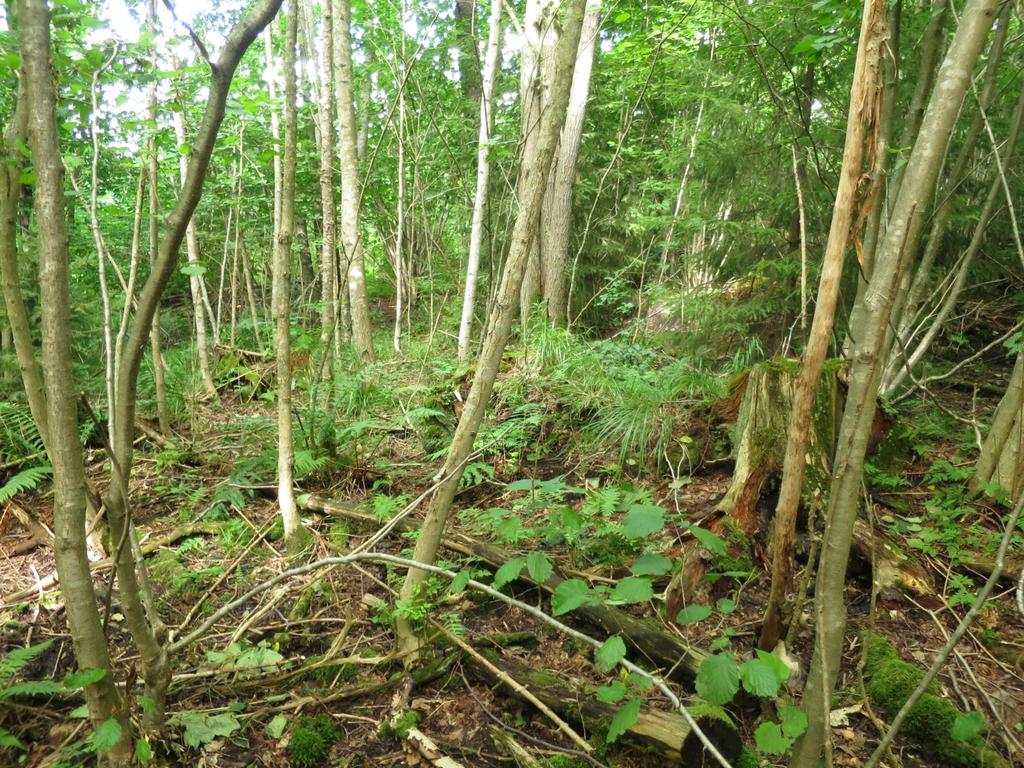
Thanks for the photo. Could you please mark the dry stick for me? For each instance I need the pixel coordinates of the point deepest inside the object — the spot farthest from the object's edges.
(947, 649)
(537, 613)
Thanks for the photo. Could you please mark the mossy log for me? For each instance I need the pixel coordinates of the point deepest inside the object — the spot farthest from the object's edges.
(667, 733)
(891, 680)
(650, 644)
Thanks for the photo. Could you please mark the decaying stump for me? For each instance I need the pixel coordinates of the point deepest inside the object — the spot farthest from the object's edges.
(757, 408)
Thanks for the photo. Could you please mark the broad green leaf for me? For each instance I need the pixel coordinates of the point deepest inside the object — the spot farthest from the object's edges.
(539, 566)
(83, 677)
(460, 582)
(967, 725)
(642, 520)
(640, 681)
(193, 270)
(691, 614)
(569, 595)
(632, 589)
(794, 721)
(623, 719)
(769, 739)
(610, 653)
(143, 752)
(107, 735)
(763, 675)
(718, 679)
(276, 726)
(508, 572)
(725, 605)
(612, 693)
(79, 713)
(708, 540)
(651, 564)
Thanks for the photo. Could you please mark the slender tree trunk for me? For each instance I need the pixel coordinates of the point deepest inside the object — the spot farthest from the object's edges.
(328, 206)
(294, 534)
(862, 120)
(869, 332)
(469, 58)
(400, 276)
(195, 278)
(275, 124)
(154, 200)
(1003, 445)
(558, 207)
(541, 36)
(483, 175)
(500, 325)
(351, 191)
(250, 294)
(61, 421)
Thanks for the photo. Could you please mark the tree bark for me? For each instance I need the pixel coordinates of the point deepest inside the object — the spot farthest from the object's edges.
(61, 422)
(1001, 454)
(154, 197)
(469, 58)
(328, 205)
(862, 120)
(558, 206)
(525, 231)
(351, 189)
(483, 174)
(869, 332)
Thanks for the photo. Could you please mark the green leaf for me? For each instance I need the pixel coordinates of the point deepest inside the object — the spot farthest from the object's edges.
(143, 752)
(611, 652)
(623, 719)
(967, 725)
(651, 564)
(539, 567)
(8, 739)
(83, 678)
(708, 540)
(508, 572)
(569, 595)
(725, 605)
(718, 679)
(769, 739)
(194, 269)
(691, 614)
(762, 676)
(460, 582)
(642, 520)
(612, 693)
(276, 726)
(794, 721)
(79, 713)
(632, 589)
(107, 735)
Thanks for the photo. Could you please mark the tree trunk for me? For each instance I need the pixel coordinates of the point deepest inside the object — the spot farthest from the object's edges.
(328, 205)
(469, 57)
(400, 239)
(483, 173)
(195, 279)
(154, 200)
(294, 534)
(351, 189)
(61, 422)
(558, 207)
(1001, 461)
(534, 180)
(862, 118)
(869, 331)
(535, 77)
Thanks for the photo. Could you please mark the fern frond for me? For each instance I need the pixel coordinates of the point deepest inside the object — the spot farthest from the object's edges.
(26, 480)
(18, 659)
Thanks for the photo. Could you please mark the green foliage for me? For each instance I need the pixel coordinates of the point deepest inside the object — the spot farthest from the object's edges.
(311, 741)
(199, 728)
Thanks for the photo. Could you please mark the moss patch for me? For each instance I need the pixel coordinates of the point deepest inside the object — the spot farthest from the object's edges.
(311, 741)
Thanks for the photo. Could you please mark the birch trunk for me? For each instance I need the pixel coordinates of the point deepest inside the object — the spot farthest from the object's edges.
(558, 204)
(869, 331)
(862, 117)
(61, 421)
(526, 229)
(483, 175)
(351, 191)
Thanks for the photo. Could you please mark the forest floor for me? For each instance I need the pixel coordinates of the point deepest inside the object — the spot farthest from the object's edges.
(322, 643)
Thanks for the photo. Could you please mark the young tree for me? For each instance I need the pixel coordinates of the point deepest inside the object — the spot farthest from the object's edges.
(534, 181)
(869, 330)
(351, 189)
(483, 175)
(60, 426)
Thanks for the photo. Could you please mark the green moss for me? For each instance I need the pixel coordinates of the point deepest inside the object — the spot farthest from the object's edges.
(311, 741)
(400, 726)
(338, 534)
(748, 759)
(561, 761)
(891, 680)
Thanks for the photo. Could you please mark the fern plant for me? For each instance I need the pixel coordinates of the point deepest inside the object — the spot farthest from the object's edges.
(26, 480)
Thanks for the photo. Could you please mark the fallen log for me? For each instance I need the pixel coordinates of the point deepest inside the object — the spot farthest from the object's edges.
(646, 638)
(667, 733)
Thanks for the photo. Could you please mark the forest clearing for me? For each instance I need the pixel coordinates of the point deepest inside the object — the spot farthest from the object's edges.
(535, 383)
